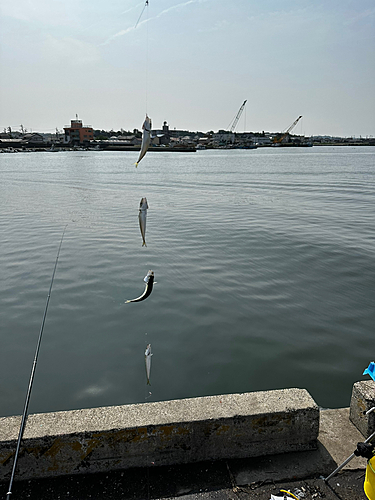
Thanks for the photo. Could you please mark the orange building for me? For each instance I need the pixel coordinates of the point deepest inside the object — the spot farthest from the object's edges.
(77, 133)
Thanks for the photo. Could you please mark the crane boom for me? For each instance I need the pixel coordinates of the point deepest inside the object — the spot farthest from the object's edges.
(289, 129)
(293, 124)
(238, 116)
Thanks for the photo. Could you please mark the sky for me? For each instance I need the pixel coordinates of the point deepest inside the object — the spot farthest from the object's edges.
(191, 63)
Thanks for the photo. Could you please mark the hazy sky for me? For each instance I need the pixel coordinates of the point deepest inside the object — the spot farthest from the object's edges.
(191, 63)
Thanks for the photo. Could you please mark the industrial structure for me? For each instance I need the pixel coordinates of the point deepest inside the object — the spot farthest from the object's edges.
(280, 139)
(233, 124)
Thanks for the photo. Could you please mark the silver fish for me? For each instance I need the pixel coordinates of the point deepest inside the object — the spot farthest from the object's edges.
(143, 206)
(149, 280)
(148, 355)
(146, 138)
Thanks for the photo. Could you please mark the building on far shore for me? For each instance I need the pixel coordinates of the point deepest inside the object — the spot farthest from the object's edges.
(77, 133)
(161, 137)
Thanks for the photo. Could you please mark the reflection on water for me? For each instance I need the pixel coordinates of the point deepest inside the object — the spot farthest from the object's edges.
(264, 262)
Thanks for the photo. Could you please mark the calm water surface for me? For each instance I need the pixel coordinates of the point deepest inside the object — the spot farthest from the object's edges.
(264, 262)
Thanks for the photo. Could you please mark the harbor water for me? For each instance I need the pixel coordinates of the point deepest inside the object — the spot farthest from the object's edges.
(264, 264)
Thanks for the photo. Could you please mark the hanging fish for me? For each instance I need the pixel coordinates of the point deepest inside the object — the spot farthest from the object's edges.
(146, 138)
(143, 206)
(148, 355)
(149, 280)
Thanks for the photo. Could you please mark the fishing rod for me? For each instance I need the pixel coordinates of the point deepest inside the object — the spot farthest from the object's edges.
(369, 439)
(31, 380)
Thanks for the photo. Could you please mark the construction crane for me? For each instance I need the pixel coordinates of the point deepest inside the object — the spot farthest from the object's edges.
(235, 121)
(238, 116)
(277, 140)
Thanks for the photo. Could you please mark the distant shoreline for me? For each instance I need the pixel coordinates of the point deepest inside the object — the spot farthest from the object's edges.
(7, 146)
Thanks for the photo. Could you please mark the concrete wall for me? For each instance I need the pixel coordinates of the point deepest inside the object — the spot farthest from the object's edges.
(162, 433)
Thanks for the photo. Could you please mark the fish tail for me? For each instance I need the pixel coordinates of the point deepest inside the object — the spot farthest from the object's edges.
(144, 244)
(148, 382)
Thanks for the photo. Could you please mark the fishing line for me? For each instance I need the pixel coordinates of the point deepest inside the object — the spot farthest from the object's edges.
(139, 18)
(31, 380)
(146, 62)
(146, 5)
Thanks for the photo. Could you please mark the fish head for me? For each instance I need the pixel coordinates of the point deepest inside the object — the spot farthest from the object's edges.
(148, 350)
(143, 204)
(148, 276)
(147, 125)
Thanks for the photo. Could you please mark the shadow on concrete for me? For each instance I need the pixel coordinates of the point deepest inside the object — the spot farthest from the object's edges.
(178, 480)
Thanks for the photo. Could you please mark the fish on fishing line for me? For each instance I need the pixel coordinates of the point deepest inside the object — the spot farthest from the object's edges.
(143, 206)
(149, 280)
(148, 355)
(146, 138)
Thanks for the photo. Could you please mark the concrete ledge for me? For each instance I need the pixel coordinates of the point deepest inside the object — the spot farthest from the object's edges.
(162, 433)
(362, 400)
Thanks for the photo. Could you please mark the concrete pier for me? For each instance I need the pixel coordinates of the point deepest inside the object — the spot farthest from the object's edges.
(363, 399)
(164, 433)
(229, 479)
